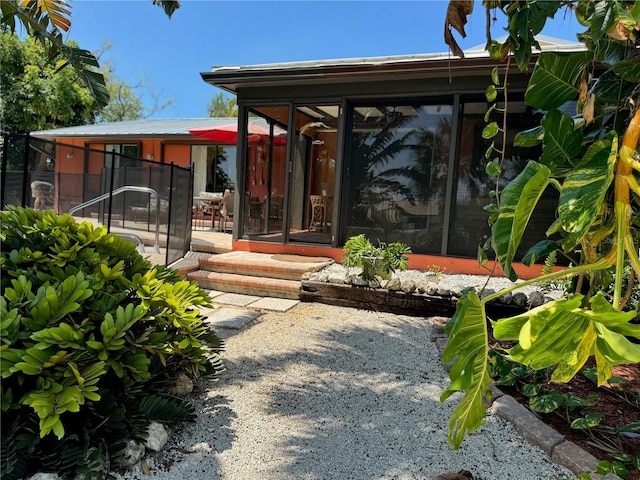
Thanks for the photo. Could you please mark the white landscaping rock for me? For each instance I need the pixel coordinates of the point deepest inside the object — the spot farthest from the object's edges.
(394, 284)
(131, 454)
(358, 281)
(181, 385)
(335, 278)
(408, 286)
(44, 476)
(431, 288)
(316, 399)
(157, 437)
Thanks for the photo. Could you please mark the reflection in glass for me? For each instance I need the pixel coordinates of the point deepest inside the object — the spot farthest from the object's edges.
(265, 174)
(469, 221)
(313, 174)
(398, 173)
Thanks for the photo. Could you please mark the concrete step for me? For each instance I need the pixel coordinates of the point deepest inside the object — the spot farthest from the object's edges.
(245, 284)
(213, 243)
(278, 266)
(250, 273)
(190, 262)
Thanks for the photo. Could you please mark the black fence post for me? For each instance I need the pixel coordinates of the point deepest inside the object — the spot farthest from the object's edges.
(124, 197)
(113, 170)
(149, 203)
(166, 254)
(3, 167)
(25, 169)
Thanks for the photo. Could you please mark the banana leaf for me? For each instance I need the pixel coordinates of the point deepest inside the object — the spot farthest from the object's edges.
(583, 191)
(555, 78)
(468, 348)
(564, 334)
(517, 203)
(561, 141)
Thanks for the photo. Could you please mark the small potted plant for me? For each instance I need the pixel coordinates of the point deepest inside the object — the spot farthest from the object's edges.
(382, 260)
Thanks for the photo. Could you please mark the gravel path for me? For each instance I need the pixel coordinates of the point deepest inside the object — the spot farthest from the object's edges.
(325, 392)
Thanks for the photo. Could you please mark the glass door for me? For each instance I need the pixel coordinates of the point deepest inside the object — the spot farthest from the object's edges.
(313, 174)
(265, 174)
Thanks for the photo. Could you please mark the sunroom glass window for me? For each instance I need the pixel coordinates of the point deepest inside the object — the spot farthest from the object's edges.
(398, 173)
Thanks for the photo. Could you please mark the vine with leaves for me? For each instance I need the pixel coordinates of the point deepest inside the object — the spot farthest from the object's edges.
(592, 159)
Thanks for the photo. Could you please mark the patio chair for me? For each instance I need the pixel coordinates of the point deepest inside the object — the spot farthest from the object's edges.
(42, 192)
(226, 211)
(197, 214)
(318, 213)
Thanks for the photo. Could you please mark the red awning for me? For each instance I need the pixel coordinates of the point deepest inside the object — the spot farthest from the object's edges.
(229, 134)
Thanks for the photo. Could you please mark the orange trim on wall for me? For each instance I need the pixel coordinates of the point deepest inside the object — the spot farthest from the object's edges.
(467, 266)
(278, 248)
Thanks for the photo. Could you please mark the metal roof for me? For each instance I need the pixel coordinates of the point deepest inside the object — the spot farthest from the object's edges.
(160, 127)
(319, 71)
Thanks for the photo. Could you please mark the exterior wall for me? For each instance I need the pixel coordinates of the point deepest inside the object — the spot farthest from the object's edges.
(80, 160)
(161, 150)
(463, 88)
(179, 154)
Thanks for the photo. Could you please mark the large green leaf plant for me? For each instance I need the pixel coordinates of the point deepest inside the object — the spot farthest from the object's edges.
(92, 339)
(592, 159)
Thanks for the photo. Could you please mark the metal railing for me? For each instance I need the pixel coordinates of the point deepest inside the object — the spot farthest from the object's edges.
(135, 239)
(126, 188)
(25, 159)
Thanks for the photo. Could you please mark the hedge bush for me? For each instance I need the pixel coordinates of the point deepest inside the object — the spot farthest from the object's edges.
(91, 336)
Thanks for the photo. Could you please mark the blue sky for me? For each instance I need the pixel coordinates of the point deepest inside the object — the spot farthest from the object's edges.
(171, 53)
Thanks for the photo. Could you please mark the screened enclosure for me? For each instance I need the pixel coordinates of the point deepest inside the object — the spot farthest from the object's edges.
(29, 178)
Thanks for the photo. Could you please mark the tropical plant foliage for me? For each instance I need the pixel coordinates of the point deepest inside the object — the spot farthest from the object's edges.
(376, 182)
(382, 260)
(592, 159)
(92, 335)
(219, 106)
(35, 95)
(47, 21)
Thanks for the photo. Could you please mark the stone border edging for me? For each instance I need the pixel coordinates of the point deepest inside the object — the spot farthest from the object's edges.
(533, 430)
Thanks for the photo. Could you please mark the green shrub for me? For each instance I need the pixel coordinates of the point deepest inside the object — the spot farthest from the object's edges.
(91, 336)
(382, 260)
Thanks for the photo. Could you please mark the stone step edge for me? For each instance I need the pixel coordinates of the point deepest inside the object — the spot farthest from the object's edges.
(245, 284)
(189, 263)
(205, 247)
(529, 426)
(285, 271)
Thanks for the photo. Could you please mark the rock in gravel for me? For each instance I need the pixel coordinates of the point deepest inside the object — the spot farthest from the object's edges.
(358, 281)
(335, 278)
(431, 288)
(536, 299)
(131, 454)
(394, 285)
(157, 437)
(487, 292)
(408, 286)
(461, 475)
(443, 291)
(519, 299)
(181, 385)
(506, 298)
(44, 476)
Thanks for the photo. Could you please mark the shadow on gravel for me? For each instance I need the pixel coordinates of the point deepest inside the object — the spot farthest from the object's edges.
(363, 398)
(197, 444)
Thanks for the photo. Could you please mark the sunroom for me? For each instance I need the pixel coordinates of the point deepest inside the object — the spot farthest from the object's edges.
(390, 147)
